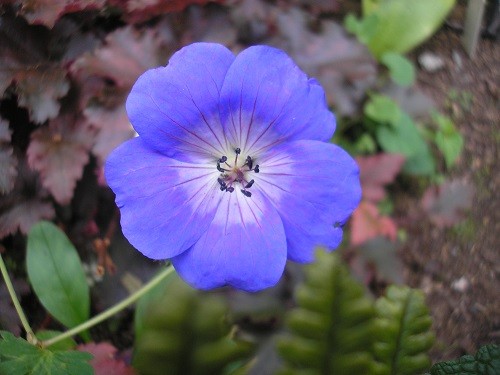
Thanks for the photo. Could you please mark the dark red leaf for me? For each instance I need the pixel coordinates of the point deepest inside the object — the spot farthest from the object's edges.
(376, 171)
(380, 255)
(125, 55)
(135, 11)
(68, 40)
(209, 24)
(21, 48)
(39, 92)
(320, 6)
(47, 12)
(24, 215)
(113, 128)
(8, 161)
(447, 203)
(9, 319)
(25, 205)
(105, 361)
(39, 81)
(367, 223)
(59, 152)
(344, 66)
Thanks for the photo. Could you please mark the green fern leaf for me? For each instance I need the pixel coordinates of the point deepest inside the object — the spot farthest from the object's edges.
(186, 335)
(402, 333)
(485, 362)
(331, 330)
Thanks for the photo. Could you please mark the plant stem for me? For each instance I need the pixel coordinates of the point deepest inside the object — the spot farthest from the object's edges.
(112, 310)
(30, 336)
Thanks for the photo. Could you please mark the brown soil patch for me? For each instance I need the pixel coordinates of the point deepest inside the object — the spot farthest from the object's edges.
(466, 313)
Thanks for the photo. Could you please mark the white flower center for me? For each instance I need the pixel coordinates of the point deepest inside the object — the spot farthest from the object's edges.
(236, 172)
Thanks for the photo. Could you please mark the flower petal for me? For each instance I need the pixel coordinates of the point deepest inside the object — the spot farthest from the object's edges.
(245, 247)
(266, 99)
(315, 188)
(165, 204)
(175, 108)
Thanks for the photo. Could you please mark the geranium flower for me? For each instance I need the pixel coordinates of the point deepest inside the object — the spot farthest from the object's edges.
(232, 173)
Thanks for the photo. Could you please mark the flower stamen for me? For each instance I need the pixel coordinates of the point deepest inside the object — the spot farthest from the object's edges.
(249, 162)
(236, 173)
(220, 169)
(246, 193)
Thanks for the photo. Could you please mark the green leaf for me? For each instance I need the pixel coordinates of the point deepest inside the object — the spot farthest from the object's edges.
(401, 70)
(383, 109)
(331, 329)
(448, 139)
(407, 23)
(363, 29)
(369, 6)
(403, 335)
(56, 274)
(401, 25)
(185, 334)
(19, 357)
(365, 144)
(404, 138)
(485, 362)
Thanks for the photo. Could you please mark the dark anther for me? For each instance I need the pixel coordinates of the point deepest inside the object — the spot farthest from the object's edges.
(256, 169)
(237, 150)
(230, 189)
(223, 187)
(249, 162)
(220, 169)
(249, 185)
(223, 159)
(246, 193)
(221, 183)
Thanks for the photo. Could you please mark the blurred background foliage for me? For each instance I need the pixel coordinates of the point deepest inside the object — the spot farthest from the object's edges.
(66, 68)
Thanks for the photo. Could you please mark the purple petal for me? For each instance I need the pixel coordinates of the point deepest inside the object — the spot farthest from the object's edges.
(245, 246)
(165, 204)
(266, 99)
(175, 108)
(315, 188)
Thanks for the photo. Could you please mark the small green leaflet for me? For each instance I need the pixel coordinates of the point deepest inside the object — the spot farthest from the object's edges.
(448, 139)
(17, 356)
(56, 274)
(400, 68)
(405, 139)
(383, 109)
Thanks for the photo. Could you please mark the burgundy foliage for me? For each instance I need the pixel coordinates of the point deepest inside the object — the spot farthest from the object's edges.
(376, 172)
(448, 203)
(106, 361)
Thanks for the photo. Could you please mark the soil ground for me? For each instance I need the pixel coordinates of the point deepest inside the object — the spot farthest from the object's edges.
(459, 267)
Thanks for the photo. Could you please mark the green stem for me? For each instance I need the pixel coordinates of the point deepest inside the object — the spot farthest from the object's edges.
(112, 310)
(30, 336)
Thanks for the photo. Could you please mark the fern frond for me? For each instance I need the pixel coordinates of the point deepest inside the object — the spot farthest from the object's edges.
(186, 335)
(403, 334)
(331, 330)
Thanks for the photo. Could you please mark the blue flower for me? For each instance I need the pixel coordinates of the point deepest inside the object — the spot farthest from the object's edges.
(232, 173)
